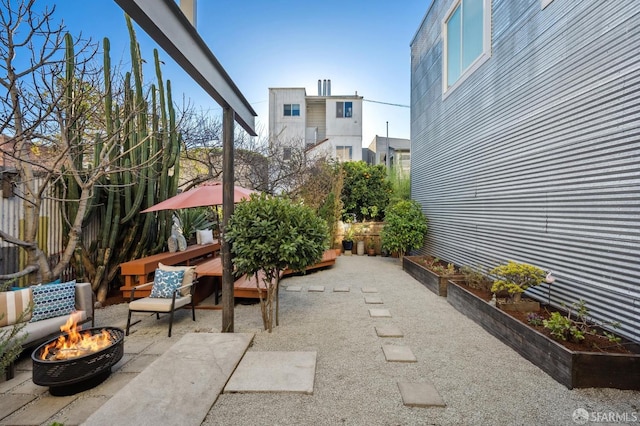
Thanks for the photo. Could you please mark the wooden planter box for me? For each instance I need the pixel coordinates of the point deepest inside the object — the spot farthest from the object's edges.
(572, 369)
(434, 282)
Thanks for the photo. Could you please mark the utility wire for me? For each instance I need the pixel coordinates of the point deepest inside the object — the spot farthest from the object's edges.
(386, 103)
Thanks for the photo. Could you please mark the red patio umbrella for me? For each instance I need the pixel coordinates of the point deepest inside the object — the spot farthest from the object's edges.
(207, 194)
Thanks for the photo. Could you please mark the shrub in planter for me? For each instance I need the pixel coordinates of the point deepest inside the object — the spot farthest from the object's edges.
(431, 272)
(516, 277)
(405, 227)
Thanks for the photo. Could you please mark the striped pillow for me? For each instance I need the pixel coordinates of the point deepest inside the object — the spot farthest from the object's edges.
(13, 304)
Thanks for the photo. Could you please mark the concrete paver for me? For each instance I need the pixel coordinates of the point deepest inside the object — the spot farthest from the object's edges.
(113, 384)
(35, 414)
(294, 288)
(389, 331)
(180, 386)
(316, 288)
(79, 410)
(139, 363)
(373, 300)
(420, 395)
(398, 353)
(287, 372)
(379, 313)
(10, 403)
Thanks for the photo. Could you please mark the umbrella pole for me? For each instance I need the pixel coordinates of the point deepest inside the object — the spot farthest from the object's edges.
(227, 211)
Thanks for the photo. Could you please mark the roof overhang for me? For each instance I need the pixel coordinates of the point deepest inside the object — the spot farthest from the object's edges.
(166, 24)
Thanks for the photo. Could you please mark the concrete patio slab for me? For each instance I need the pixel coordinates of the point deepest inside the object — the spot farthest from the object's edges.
(398, 353)
(139, 363)
(389, 331)
(420, 395)
(341, 289)
(113, 384)
(287, 372)
(79, 410)
(10, 403)
(294, 288)
(379, 313)
(373, 300)
(316, 288)
(35, 414)
(180, 386)
(369, 290)
(18, 379)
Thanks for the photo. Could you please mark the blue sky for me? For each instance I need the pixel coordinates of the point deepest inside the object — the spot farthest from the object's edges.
(361, 46)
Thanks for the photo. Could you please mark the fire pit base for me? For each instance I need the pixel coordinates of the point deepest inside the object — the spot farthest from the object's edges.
(70, 376)
(82, 386)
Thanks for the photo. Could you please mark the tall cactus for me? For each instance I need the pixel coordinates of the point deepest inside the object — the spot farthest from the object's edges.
(140, 144)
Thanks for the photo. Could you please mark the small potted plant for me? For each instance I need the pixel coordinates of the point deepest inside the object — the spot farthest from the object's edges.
(371, 247)
(347, 240)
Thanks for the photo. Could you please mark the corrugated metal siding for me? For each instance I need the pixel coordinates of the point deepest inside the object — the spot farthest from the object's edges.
(536, 156)
(50, 232)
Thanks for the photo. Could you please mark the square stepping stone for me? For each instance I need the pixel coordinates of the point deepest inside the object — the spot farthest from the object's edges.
(397, 353)
(373, 300)
(420, 395)
(341, 289)
(294, 288)
(288, 372)
(379, 313)
(389, 331)
(369, 290)
(316, 288)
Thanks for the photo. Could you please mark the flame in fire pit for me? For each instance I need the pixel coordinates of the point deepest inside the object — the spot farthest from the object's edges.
(75, 343)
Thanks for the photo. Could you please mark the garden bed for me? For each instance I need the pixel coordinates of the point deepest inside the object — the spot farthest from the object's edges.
(437, 283)
(572, 368)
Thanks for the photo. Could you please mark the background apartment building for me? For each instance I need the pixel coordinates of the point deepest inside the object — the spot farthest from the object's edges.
(323, 124)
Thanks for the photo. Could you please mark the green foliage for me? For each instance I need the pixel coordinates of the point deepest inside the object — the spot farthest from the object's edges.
(400, 184)
(194, 219)
(349, 234)
(516, 277)
(271, 234)
(405, 227)
(366, 191)
(562, 328)
(476, 277)
(534, 319)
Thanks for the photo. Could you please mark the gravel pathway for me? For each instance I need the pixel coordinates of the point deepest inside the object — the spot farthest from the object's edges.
(481, 380)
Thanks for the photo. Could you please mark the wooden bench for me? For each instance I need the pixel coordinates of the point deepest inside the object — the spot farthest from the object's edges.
(328, 259)
(140, 271)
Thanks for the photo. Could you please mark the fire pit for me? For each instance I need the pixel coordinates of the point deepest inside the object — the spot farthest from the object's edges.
(77, 360)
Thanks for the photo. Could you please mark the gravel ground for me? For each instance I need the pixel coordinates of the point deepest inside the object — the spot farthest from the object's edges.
(482, 381)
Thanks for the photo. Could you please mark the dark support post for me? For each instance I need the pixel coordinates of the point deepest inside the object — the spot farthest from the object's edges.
(227, 211)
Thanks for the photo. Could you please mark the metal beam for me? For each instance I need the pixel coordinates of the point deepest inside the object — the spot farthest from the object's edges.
(167, 25)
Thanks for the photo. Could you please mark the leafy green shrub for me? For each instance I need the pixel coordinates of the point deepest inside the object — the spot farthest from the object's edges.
(365, 191)
(516, 277)
(476, 277)
(400, 184)
(271, 234)
(562, 328)
(405, 227)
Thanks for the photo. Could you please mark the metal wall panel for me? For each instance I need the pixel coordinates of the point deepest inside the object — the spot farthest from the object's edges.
(536, 156)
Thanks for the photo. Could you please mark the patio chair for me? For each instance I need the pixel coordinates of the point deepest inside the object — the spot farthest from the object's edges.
(168, 301)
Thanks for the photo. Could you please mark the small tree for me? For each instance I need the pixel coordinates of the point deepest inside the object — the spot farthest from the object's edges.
(366, 190)
(405, 227)
(516, 277)
(271, 234)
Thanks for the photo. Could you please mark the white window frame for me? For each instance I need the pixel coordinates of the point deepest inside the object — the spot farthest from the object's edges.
(484, 56)
(343, 148)
(284, 107)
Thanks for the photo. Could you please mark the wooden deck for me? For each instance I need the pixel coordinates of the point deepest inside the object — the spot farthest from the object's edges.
(140, 271)
(328, 259)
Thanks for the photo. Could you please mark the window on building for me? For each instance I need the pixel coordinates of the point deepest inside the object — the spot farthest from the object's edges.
(292, 110)
(344, 153)
(286, 153)
(467, 37)
(344, 109)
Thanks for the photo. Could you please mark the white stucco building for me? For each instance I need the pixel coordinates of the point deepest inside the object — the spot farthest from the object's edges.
(323, 123)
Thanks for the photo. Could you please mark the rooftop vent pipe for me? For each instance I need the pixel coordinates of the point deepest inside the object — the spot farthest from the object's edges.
(319, 87)
(328, 87)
